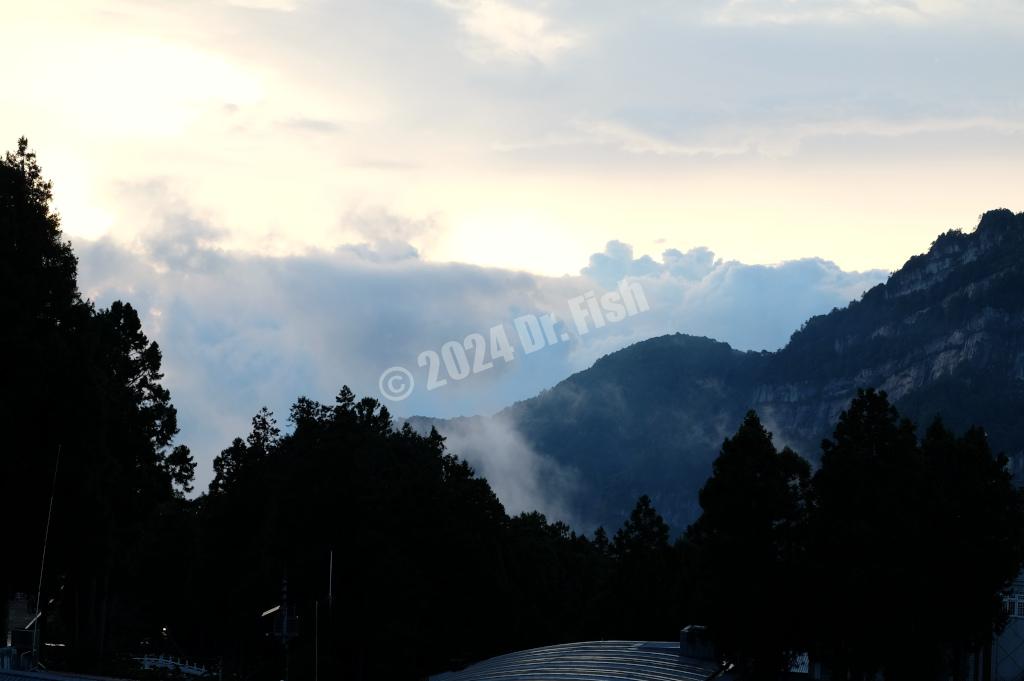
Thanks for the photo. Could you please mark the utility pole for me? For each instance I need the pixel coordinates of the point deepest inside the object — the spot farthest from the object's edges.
(284, 625)
(330, 607)
(42, 562)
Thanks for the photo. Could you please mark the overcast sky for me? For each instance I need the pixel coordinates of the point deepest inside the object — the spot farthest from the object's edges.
(528, 134)
(300, 193)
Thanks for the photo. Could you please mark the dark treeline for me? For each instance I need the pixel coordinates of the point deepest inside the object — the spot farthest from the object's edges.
(891, 558)
(391, 559)
(83, 384)
(429, 571)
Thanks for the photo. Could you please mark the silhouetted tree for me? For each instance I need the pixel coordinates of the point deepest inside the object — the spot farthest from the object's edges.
(974, 511)
(262, 440)
(748, 550)
(181, 468)
(644, 595)
(910, 546)
(644, 533)
(407, 559)
(85, 383)
(867, 526)
(601, 542)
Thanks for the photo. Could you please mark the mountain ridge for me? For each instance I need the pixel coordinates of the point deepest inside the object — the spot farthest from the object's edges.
(944, 336)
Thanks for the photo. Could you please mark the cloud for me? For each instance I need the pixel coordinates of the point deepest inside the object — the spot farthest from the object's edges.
(317, 125)
(571, 114)
(275, 5)
(765, 138)
(577, 107)
(752, 307)
(816, 11)
(501, 30)
(378, 223)
(523, 479)
(388, 235)
(633, 140)
(617, 263)
(795, 12)
(184, 243)
(239, 331)
(694, 264)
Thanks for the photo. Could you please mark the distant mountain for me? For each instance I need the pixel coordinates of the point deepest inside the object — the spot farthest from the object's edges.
(943, 336)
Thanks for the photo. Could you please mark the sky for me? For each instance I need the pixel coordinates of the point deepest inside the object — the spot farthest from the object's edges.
(298, 194)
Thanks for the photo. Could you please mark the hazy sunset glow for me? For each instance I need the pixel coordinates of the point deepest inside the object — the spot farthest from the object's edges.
(762, 130)
(298, 194)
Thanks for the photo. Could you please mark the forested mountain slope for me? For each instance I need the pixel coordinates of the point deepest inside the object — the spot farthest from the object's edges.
(943, 336)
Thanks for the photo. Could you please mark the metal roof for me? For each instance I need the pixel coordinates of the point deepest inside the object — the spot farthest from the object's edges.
(12, 675)
(590, 661)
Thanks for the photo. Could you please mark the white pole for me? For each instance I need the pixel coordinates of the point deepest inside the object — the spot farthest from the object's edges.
(42, 562)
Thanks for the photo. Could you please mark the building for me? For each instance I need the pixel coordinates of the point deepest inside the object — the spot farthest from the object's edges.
(605, 660)
(1007, 655)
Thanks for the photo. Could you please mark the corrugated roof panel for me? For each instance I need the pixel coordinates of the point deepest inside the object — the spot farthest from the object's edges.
(591, 661)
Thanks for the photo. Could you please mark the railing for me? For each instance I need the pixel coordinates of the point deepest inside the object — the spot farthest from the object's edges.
(175, 663)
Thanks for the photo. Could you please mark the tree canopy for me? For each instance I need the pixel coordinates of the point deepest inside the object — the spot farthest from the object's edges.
(892, 558)
(385, 552)
(82, 383)
(748, 546)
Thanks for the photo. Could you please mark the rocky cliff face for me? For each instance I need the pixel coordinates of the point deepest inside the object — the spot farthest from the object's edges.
(944, 337)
